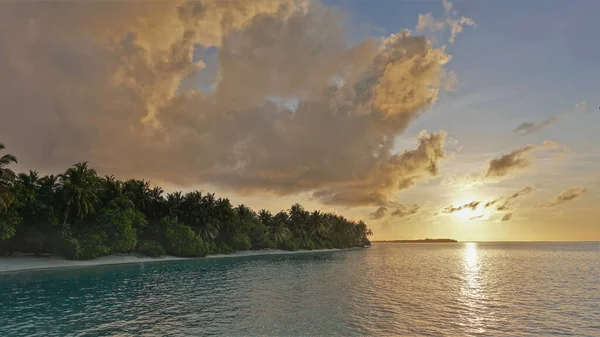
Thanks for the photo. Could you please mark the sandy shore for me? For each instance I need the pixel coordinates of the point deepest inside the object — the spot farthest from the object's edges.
(28, 262)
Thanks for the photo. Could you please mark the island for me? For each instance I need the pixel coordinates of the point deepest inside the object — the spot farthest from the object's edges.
(81, 215)
(417, 241)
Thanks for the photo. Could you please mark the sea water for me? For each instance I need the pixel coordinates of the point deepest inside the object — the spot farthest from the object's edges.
(461, 289)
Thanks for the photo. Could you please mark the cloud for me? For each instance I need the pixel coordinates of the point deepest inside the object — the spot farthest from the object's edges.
(506, 217)
(462, 180)
(451, 209)
(567, 195)
(477, 217)
(402, 211)
(102, 81)
(507, 199)
(518, 159)
(530, 127)
(450, 21)
(378, 213)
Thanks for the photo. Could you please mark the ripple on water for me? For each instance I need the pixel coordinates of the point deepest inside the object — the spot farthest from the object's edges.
(495, 289)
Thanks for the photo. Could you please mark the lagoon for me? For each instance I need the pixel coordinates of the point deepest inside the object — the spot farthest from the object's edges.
(467, 289)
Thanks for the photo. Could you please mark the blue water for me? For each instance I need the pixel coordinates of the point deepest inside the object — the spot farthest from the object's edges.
(488, 289)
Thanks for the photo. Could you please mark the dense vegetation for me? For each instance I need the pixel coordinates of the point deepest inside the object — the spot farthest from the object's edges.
(81, 215)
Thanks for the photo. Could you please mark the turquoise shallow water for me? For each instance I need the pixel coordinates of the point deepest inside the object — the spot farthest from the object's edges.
(488, 289)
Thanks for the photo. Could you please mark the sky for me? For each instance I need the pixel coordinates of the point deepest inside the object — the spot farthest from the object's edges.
(472, 120)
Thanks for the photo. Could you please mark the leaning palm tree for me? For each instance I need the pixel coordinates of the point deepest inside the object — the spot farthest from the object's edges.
(7, 177)
(78, 190)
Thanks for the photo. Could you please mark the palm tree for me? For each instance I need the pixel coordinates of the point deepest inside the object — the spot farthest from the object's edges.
(174, 201)
(316, 224)
(28, 185)
(265, 217)
(157, 207)
(113, 194)
(139, 193)
(48, 184)
(276, 225)
(78, 188)
(210, 230)
(244, 212)
(7, 177)
(279, 232)
(298, 220)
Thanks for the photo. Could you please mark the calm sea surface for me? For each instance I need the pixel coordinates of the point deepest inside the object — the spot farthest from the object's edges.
(463, 289)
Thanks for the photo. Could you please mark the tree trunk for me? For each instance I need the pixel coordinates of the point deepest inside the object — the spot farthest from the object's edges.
(66, 216)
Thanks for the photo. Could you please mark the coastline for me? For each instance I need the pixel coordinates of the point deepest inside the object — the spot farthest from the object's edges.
(30, 262)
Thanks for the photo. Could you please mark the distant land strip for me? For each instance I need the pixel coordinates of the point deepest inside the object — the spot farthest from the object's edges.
(416, 241)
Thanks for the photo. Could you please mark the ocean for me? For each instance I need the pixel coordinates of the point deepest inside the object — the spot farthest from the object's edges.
(429, 289)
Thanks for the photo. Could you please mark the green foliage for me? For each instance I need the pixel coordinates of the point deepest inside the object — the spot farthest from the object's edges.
(182, 241)
(289, 244)
(93, 246)
(269, 244)
(8, 223)
(6, 182)
(223, 249)
(83, 216)
(69, 247)
(241, 242)
(151, 248)
(120, 227)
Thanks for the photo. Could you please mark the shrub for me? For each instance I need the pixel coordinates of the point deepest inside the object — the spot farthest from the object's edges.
(318, 243)
(8, 223)
(125, 240)
(92, 246)
(241, 242)
(151, 248)
(182, 241)
(120, 226)
(308, 245)
(223, 249)
(69, 247)
(289, 244)
(270, 244)
(211, 248)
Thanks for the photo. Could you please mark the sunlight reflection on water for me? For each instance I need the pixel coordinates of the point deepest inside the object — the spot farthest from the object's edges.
(472, 293)
(463, 289)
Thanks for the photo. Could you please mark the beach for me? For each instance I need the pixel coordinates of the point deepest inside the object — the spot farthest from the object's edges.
(30, 262)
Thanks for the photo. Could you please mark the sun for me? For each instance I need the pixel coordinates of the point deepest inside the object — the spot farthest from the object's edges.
(466, 214)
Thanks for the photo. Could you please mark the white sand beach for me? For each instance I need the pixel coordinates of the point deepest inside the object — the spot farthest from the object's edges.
(30, 262)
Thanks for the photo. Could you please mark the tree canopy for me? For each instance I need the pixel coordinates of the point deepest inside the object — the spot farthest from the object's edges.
(82, 215)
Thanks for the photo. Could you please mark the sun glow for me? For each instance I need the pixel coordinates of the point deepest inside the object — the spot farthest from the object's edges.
(465, 214)
(470, 214)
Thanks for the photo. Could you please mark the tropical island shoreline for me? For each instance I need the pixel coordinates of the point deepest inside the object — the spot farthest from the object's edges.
(417, 241)
(28, 262)
(81, 215)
